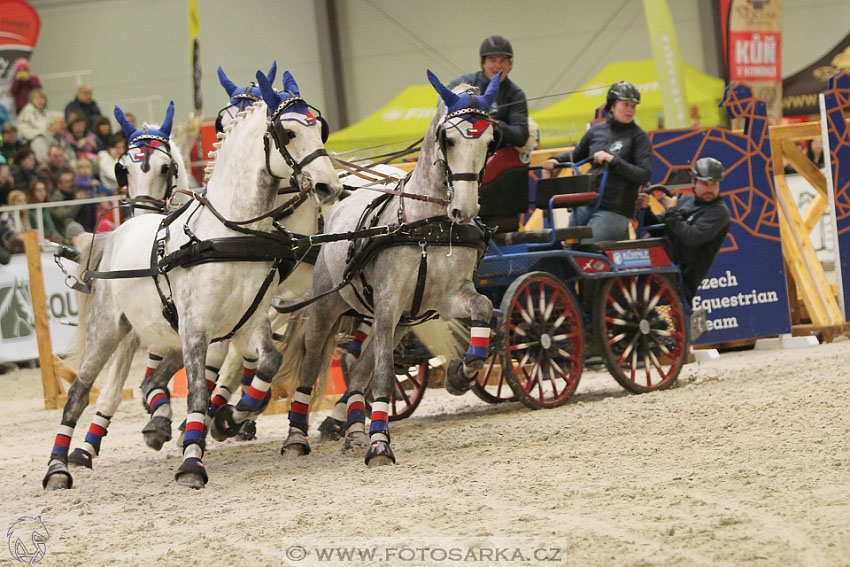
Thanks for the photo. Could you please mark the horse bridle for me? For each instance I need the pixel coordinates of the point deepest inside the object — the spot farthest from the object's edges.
(281, 136)
(240, 98)
(450, 176)
(144, 142)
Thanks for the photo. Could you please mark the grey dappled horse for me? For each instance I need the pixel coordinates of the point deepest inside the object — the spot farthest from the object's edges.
(211, 299)
(425, 268)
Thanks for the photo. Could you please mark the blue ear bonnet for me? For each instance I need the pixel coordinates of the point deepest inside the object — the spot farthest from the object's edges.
(290, 91)
(250, 92)
(162, 133)
(458, 102)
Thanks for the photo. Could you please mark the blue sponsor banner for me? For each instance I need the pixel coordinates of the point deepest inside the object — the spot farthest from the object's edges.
(837, 99)
(744, 294)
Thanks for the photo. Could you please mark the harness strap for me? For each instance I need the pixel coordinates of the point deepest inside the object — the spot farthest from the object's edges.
(253, 307)
(421, 276)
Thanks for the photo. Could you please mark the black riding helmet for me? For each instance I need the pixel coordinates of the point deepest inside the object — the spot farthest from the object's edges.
(496, 45)
(622, 90)
(707, 169)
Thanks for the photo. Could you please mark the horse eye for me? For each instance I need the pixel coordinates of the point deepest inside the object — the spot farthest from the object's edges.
(164, 168)
(450, 143)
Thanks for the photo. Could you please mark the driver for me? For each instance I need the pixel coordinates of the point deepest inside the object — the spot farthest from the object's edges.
(621, 146)
(696, 224)
(511, 108)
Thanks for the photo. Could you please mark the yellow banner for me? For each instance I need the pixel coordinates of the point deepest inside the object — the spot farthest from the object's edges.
(665, 51)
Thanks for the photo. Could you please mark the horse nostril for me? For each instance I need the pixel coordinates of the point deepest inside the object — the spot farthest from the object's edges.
(323, 191)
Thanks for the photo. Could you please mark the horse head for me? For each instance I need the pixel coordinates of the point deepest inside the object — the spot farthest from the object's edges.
(465, 138)
(240, 97)
(297, 137)
(148, 169)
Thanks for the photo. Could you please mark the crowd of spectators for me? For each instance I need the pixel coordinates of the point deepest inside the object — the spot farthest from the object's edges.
(49, 156)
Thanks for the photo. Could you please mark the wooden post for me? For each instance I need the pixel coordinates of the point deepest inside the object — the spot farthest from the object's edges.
(42, 329)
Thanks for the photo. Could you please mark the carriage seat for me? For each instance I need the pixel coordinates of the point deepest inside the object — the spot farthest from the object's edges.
(569, 192)
(542, 236)
(503, 194)
(610, 245)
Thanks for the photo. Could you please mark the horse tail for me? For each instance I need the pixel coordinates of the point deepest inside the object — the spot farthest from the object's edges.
(447, 340)
(91, 249)
(292, 347)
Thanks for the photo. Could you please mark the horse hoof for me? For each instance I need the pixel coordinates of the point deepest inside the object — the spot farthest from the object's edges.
(58, 477)
(248, 430)
(379, 454)
(296, 445)
(355, 443)
(379, 462)
(223, 427)
(191, 480)
(330, 429)
(192, 473)
(157, 431)
(457, 384)
(80, 458)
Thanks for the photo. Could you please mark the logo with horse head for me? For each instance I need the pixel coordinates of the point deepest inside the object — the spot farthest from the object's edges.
(27, 539)
(16, 318)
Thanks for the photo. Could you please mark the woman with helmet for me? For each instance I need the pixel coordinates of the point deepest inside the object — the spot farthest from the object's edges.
(622, 147)
(696, 224)
(511, 110)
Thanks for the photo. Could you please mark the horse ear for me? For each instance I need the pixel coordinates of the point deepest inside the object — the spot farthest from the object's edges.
(272, 99)
(169, 119)
(272, 73)
(125, 124)
(448, 96)
(289, 84)
(229, 86)
(492, 91)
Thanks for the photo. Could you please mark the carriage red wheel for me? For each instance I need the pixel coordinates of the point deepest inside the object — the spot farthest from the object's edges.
(492, 384)
(543, 351)
(410, 384)
(640, 324)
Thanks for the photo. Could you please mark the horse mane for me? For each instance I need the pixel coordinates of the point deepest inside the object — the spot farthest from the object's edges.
(222, 136)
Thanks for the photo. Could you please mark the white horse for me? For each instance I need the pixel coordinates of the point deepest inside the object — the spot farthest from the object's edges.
(207, 300)
(156, 180)
(425, 267)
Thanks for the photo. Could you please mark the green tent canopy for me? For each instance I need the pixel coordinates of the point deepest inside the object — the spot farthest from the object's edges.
(565, 122)
(396, 125)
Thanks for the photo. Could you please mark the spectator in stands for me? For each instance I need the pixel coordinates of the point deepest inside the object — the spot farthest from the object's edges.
(814, 151)
(23, 84)
(5, 115)
(10, 144)
(623, 148)
(33, 119)
(64, 218)
(37, 193)
(7, 180)
(696, 224)
(24, 171)
(50, 170)
(81, 137)
(496, 54)
(102, 130)
(106, 160)
(17, 220)
(87, 187)
(55, 136)
(83, 105)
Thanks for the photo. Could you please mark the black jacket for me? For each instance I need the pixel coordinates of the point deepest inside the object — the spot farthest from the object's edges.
(630, 168)
(510, 108)
(697, 229)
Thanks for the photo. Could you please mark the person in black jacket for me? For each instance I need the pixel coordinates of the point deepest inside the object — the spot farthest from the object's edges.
(511, 108)
(696, 224)
(622, 147)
